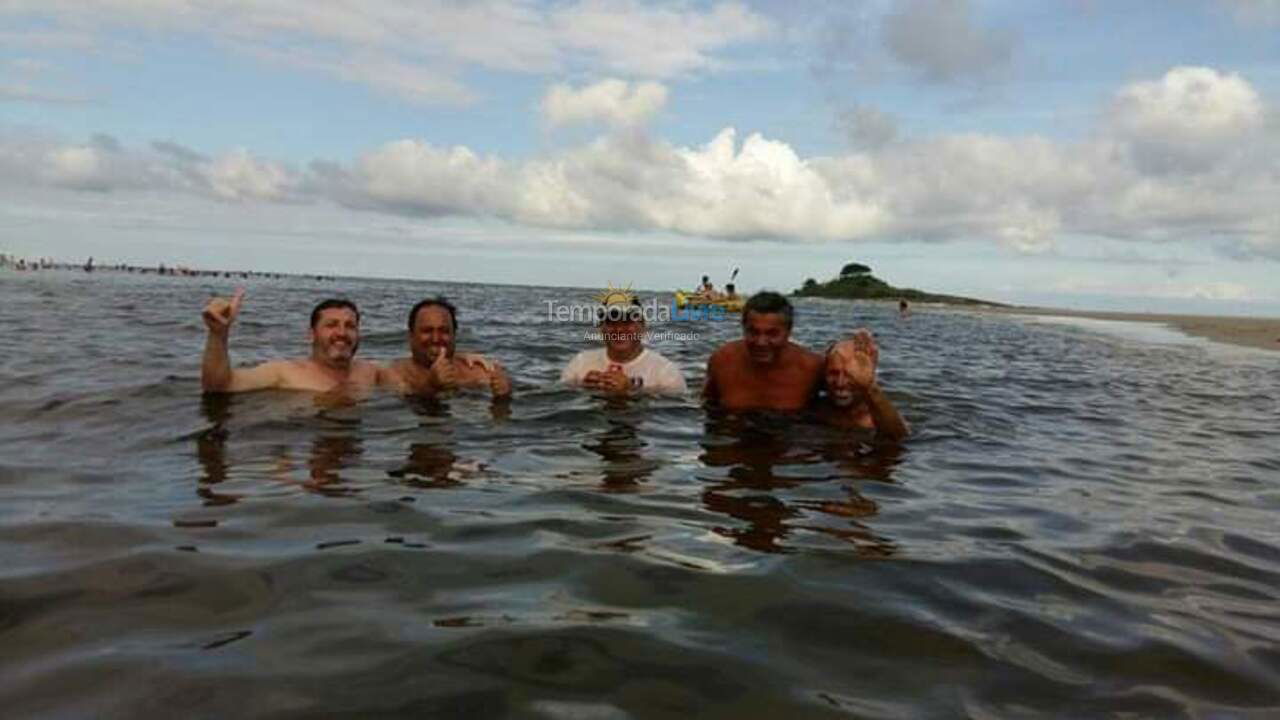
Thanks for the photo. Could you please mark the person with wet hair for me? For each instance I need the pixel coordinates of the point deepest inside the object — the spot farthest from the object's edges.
(854, 397)
(764, 370)
(434, 365)
(334, 335)
(624, 366)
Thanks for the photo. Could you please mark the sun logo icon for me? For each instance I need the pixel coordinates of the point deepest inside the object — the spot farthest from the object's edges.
(616, 296)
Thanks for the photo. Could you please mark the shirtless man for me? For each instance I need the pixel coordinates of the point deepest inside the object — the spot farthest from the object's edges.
(433, 364)
(764, 370)
(854, 398)
(334, 335)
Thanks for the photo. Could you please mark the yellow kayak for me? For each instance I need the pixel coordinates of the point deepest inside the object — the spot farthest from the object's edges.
(684, 299)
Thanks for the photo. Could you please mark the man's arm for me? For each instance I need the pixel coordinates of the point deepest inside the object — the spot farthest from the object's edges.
(889, 422)
(216, 373)
(215, 369)
(499, 382)
(496, 375)
(710, 389)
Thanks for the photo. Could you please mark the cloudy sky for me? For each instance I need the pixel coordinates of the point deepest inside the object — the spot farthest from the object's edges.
(1084, 153)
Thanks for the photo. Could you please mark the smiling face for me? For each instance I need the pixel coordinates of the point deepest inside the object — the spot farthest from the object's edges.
(623, 332)
(432, 334)
(840, 385)
(765, 335)
(335, 337)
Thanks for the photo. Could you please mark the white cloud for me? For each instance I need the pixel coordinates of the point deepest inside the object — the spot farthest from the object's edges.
(77, 167)
(1188, 118)
(415, 83)
(610, 101)
(418, 49)
(1024, 193)
(415, 177)
(237, 175)
(635, 39)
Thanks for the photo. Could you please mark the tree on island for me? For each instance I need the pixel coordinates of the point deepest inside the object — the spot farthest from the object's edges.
(857, 283)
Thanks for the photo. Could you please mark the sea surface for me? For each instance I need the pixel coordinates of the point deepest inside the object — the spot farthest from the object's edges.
(1083, 524)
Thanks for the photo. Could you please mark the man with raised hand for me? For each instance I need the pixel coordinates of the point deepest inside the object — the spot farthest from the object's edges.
(334, 337)
(764, 370)
(855, 398)
(624, 366)
(434, 365)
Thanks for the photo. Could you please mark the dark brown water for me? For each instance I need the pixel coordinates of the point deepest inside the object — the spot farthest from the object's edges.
(1082, 525)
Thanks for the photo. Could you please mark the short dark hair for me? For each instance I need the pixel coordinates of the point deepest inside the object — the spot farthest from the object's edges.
(766, 302)
(333, 303)
(437, 301)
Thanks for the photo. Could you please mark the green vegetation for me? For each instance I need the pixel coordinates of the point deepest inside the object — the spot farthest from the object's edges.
(857, 283)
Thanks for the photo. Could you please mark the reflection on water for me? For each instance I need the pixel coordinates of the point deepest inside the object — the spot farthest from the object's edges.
(622, 455)
(1080, 521)
(764, 456)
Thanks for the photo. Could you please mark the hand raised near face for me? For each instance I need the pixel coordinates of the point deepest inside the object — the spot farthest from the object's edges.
(861, 368)
(858, 356)
(865, 342)
(443, 372)
(219, 313)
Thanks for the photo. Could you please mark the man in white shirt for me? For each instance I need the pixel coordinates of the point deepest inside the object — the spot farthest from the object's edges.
(624, 366)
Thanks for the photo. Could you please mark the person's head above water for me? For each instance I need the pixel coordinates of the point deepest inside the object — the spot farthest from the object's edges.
(335, 331)
(622, 328)
(851, 368)
(433, 329)
(766, 326)
(332, 303)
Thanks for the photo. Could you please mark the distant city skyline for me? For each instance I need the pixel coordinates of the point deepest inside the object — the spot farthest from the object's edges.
(1082, 154)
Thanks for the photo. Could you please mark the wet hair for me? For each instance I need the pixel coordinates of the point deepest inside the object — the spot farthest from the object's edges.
(705, 278)
(437, 301)
(729, 287)
(632, 312)
(766, 302)
(333, 303)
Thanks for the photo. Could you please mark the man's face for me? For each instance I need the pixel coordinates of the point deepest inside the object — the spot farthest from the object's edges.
(335, 336)
(623, 329)
(765, 335)
(432, 335)
(840, 388)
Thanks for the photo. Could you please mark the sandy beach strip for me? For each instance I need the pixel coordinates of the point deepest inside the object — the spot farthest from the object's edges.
(1244, 331)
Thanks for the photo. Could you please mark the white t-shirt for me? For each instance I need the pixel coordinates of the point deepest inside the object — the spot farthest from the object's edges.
(649, 371)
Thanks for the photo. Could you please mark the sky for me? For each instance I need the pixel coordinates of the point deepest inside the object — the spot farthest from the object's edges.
(1084, 154)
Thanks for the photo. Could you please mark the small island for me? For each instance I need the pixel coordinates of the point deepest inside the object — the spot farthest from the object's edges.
(857, 283)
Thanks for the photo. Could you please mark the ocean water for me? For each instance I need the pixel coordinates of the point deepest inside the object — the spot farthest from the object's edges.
(1083, 524)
